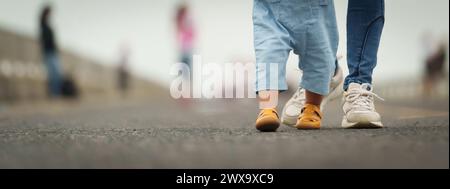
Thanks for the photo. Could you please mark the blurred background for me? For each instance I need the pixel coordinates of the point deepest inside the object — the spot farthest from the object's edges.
(107, 48)
(97, 38)
(85, 84)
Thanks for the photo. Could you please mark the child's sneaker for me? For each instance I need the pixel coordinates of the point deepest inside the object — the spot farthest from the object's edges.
(359, 109)
(268, 120)
(309, 118)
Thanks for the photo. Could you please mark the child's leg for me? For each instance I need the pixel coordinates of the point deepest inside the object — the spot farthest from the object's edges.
(268, 99)
(318, 61)
(272, 47)
(318, 48)
(268, 119)
(313, 98)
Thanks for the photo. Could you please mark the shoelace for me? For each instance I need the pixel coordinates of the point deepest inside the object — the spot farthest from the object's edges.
(362, 98)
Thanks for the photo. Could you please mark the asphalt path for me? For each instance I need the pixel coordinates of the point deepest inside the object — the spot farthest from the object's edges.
(214, 134)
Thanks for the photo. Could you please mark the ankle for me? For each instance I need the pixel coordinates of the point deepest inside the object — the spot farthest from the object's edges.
(313, 98)
(313, 103)
(312, 106)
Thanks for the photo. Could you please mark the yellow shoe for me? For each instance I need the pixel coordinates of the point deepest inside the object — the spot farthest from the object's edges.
(268, 120)
(310, 117)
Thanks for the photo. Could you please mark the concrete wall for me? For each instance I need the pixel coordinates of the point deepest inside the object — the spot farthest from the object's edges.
(23, 75)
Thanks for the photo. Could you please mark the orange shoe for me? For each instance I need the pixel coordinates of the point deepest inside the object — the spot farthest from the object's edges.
(309, 118)
(268, 120)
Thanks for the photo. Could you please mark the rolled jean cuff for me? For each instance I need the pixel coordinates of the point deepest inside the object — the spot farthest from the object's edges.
(279, 89)
(313, 88)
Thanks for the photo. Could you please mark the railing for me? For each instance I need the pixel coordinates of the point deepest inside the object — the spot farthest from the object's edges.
(413, 89)
(23, 75)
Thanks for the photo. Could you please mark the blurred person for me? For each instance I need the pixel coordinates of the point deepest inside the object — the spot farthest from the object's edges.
(123, 76)
(185, 34)
(435, 57)
(69, 88)
(281, 26)
(365, 22)
(185, 41)
(49, 51)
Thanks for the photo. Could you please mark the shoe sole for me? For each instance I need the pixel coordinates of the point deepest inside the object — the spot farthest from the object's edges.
(269, 127)
(361, 125)
(289, 121)
(307, 127)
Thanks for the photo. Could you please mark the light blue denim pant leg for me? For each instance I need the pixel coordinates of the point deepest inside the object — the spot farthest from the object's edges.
(53, 73)
(308, 27)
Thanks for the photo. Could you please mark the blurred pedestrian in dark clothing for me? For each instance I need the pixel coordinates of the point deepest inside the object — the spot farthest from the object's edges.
(434, 65)
(50, 53)
(434, 68)
(123, 81)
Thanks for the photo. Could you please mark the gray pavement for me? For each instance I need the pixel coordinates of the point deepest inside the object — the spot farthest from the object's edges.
(214, 134)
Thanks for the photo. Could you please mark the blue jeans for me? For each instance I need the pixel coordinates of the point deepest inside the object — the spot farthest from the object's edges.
(186, 58)
(308, 27)
(53, 73)
(365, 21)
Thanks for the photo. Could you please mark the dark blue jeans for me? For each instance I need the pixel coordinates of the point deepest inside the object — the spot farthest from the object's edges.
(365, 21)
(53, 73)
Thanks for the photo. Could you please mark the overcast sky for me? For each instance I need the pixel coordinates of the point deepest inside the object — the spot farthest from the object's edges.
(97, 28)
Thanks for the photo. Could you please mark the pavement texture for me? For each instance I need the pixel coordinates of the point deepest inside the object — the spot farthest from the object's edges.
(215, 134)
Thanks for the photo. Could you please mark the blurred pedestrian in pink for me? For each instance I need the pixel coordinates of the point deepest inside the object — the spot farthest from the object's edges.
(185, 34)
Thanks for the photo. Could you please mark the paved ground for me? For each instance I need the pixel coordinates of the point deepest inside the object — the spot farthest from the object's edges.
(215, 134)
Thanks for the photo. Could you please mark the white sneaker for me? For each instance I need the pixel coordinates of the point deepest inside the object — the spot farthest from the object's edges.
(359, 109)
(293, 106)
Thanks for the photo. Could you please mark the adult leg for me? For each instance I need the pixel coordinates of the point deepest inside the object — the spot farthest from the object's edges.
(365, 21)
(53, 73)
